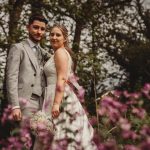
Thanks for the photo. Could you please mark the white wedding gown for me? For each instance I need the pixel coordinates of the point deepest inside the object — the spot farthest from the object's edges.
(72, 122)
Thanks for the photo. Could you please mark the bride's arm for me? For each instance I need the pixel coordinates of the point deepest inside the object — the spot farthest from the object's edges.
(61, 63)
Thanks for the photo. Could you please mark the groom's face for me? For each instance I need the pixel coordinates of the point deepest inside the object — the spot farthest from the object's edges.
(36, 30)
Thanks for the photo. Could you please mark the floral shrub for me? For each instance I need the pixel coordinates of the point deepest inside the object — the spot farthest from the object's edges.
(124, 119)
(123, 123)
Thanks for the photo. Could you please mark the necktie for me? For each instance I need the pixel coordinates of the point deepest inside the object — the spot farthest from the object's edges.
(39, 59)
(37, 53)
(36, 50)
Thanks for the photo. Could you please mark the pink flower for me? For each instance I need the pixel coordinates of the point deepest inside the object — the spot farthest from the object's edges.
(147, 87)
(129, 135)
(135, 95)
(140, 112)
(131, 147)
(131, 102)
(46, 104)
(80, 94)
(117, 93)
(102, 111)
(23, 101)
(145, 145)
(124, 124)
(6, 115)
(109, 145)
(112, 108)
(145, 131)
(146, 90)
(73, 78)
(93, 121)
(75, 87)
(126, 94)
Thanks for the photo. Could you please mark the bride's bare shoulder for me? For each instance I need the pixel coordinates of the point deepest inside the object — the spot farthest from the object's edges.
(61, 53)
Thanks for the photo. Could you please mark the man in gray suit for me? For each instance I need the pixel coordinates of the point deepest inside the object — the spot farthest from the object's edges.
(24, 71)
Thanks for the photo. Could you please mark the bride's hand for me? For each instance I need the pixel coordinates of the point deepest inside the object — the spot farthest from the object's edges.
(55, 110)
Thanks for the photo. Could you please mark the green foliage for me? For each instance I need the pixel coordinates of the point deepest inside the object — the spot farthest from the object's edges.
(137, 58)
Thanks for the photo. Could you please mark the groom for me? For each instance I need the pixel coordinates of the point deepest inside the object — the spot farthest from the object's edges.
(25, 80)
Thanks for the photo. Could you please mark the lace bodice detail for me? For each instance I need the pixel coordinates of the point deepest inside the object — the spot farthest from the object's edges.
(50, 69)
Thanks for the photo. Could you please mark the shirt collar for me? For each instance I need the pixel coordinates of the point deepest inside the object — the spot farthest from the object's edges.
(32, 44)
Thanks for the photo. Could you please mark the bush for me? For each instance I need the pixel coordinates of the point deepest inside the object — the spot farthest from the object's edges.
(123, 121)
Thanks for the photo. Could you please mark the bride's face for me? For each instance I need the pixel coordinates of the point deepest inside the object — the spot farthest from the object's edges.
(56, 38)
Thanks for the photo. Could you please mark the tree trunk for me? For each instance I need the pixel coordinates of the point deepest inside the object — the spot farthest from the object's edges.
(14, 17)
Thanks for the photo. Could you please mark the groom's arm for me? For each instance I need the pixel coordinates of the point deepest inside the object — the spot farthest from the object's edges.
(12, 73)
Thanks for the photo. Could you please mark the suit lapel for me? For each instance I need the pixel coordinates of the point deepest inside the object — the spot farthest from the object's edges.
(31, 54)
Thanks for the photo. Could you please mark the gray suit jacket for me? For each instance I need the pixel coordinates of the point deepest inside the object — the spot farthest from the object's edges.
(22, 68)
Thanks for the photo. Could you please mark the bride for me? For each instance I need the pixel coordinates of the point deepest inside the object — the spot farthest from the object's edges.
(62, 103)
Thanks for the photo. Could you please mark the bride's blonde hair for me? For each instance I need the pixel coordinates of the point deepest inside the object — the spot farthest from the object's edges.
(65, 34)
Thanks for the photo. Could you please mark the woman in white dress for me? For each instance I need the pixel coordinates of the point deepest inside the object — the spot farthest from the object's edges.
(73, 130)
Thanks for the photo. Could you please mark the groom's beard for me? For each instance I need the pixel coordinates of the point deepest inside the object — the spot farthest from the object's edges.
(36, 38)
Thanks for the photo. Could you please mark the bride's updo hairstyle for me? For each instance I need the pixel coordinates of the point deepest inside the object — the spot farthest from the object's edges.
(65, 34)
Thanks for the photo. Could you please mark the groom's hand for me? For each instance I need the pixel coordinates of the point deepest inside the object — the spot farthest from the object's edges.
(16, 114)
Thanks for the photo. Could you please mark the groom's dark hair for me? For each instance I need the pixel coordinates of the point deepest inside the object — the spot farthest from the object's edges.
(38, 17)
